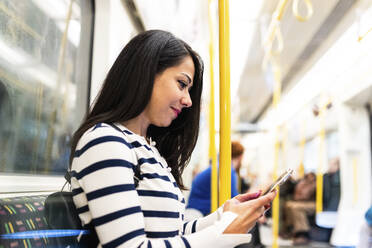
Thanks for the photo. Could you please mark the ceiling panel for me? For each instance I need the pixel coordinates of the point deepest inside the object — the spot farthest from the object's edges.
(301, 41)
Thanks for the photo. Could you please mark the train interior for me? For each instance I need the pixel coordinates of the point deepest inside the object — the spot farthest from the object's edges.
(300, 92)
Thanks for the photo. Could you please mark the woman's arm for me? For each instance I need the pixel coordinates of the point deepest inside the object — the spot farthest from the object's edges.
(201, 223)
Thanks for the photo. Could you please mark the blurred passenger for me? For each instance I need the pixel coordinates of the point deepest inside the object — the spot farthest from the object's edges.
(200, 195)
(303, 204)
(196, 170)
(332, 186)
(129, 153)
(286, 192)
(331, 198)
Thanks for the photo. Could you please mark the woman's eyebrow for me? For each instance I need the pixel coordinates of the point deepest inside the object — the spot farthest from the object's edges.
(188, 77)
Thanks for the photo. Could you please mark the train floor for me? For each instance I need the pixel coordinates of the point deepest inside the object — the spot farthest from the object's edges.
(266, 239)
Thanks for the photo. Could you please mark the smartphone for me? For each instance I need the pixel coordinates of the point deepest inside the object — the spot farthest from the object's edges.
(279, 181)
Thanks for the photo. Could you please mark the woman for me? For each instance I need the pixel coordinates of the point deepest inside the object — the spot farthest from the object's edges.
(129, 153)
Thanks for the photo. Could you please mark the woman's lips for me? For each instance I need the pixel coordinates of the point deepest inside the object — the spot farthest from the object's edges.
(176, 111)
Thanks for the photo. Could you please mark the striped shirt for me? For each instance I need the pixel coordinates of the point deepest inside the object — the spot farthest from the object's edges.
(149, 215)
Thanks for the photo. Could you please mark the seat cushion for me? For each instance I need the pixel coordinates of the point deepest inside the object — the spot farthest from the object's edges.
(22, 214)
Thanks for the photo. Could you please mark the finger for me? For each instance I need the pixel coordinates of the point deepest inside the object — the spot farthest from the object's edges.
(264, 200)
(267, 206)
(262, 219)
(272, 194)
(248, 196)
(262, 211)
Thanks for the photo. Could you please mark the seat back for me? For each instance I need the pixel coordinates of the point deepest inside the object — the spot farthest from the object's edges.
(22, 214)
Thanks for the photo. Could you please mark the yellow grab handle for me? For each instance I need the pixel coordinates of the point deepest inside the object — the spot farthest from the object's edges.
(279, 38)
(309, 8)
(360, 38)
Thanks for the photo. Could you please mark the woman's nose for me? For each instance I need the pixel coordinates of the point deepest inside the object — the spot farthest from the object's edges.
(186, 100)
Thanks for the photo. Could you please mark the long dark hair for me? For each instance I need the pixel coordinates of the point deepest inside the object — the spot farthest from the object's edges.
(127, 90)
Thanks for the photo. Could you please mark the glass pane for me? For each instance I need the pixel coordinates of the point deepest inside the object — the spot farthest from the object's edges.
(39, 83)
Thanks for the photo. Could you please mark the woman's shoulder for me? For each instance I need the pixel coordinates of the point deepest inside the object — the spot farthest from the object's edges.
(103, 131)
(115, 135)
(102, 146)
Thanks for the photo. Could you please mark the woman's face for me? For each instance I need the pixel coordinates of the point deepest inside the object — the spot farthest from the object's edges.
(170, 93)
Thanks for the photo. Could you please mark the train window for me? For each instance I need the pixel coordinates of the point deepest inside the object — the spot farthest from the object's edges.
(44, 81)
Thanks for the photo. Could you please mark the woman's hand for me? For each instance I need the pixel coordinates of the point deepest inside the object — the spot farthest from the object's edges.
(251, 196)
(247, 196)
(249, 208)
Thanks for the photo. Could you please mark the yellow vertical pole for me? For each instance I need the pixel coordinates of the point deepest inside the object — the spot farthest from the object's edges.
(225, 118)
(301, 167)
(276, 99)
(212, 141)
(319, 174)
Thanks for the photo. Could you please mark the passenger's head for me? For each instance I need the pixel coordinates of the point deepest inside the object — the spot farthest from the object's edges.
(334, 165)
(310, 177)
(237, 150)
(131, 87)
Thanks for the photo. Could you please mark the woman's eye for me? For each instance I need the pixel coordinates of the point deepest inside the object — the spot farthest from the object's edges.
(182, 84)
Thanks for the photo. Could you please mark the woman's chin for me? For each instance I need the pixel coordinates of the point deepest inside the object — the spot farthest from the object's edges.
(163, 123)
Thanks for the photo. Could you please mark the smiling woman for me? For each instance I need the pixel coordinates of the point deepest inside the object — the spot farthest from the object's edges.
(141, 89)
(130, 151)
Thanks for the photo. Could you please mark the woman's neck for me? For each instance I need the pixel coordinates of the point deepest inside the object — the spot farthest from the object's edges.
(137, 125)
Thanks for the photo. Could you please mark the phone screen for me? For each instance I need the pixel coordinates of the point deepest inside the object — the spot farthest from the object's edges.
(279, 181)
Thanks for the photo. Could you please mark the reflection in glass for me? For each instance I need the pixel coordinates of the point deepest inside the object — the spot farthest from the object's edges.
(39, 47)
